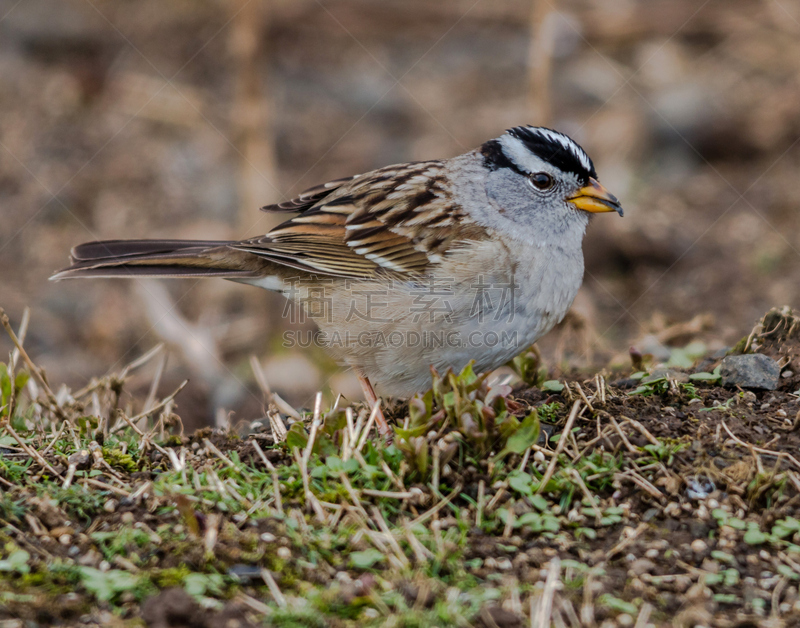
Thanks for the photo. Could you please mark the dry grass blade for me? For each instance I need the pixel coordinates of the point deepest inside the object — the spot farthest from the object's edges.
(362, 441)
(629, 535)
(545, 607)
(273, 588)
(761, 450)
(272, 398)
(37, 373)
(644, 616)
(562, 442)
(215, 450)
(163, 404)
(429, 513)
(387, 494)
(151, 395)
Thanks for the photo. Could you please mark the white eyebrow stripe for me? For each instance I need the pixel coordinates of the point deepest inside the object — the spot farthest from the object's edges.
(566, 142)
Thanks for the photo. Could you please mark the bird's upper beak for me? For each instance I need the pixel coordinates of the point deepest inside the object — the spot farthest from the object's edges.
(594, 198)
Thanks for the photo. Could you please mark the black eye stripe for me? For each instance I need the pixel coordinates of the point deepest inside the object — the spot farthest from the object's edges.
(541, 143)
(495, 158)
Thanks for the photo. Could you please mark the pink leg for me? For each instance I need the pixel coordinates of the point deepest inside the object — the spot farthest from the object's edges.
(372, 398)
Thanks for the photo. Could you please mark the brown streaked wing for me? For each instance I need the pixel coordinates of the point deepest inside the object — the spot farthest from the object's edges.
(397, 219)
(310, 197)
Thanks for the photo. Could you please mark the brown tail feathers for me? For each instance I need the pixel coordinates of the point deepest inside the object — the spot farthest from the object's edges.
(154, 258)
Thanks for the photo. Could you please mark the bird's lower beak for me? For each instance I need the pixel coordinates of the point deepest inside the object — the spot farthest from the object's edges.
(594, 198)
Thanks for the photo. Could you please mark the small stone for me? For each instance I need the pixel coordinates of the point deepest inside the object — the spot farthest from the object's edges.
(699, 546)
(91, 558)
(110, 505)
(754, 370)
(284, 553)
(672, 509)
(267, 537)
(65, 539)
(652, 553)
(127, 517)
(642, 566)
(624, 620)
(787, 374)
(682, 583)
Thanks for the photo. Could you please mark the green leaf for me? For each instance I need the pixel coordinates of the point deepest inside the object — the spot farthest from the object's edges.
(17, 562)
(526, 434)
(366, 559)
(520, 482)
(704, 377)
(530, 520)
(200, 583)
(787, 572)
(296, 437)
(754, 536)
(720, 515)
(5, 384)
(723, 557)
(106, 585)
(550, 523)
(553, 385)
(20, 380)
(589, 533)
(616, 604)
(539, 502)
(467, 375)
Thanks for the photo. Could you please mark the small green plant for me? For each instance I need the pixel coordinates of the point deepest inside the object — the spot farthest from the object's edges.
(661, 386)
(549, 411)
(709, 378)
(16, 561)
(106, 585)
(528, 365)
(366, 559)
(10, 390)
(476, 416)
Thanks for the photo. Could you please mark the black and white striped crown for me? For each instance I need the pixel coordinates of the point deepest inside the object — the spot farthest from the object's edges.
(548, 145)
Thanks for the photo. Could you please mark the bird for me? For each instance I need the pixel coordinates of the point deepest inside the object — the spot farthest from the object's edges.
(420, 265)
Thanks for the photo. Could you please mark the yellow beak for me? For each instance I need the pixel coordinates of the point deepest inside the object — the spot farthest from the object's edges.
(594, 198)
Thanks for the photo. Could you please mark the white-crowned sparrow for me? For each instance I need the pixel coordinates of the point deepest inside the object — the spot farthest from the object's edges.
(418, 264)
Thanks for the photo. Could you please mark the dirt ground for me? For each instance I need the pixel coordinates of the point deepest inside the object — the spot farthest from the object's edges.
(673, 502)
(122, 120)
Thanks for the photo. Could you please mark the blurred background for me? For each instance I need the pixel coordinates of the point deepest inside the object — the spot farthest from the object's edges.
(181, 118)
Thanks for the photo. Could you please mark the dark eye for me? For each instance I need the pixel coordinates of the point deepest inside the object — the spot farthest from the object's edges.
(541, 180)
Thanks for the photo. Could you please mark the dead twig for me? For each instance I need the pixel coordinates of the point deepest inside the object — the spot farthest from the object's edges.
(760, 450)
(560, 447)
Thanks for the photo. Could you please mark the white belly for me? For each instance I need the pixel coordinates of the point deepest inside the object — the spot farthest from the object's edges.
(395, 330)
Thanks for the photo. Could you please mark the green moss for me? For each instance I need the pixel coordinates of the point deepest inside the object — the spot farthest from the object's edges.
(119, 460)
(171, 577)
